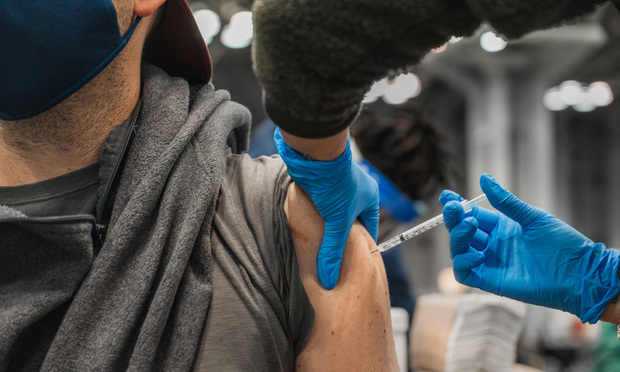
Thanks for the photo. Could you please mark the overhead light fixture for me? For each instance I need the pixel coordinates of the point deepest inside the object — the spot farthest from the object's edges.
(492, 43)
(238, 33)
(553, 100)
(208, 23)
(600, 93)
(578, 96)
(572, 92)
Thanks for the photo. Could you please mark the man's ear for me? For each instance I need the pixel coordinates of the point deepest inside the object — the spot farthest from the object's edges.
(145, 8)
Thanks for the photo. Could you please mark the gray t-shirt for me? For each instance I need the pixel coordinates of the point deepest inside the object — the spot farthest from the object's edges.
(260, 316)
(69, 194)
(259, 306)
(72, 193)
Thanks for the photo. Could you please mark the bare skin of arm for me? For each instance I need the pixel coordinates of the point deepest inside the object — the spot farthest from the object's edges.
(611, 314)
(352, 329)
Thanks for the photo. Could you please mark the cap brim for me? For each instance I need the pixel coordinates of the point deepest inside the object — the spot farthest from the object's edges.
(177, 47)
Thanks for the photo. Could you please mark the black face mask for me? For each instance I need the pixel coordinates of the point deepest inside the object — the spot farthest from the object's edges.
(52, 48)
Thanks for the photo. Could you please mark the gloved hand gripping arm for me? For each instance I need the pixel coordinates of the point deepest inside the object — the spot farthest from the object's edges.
(527, 254)
(341, 191)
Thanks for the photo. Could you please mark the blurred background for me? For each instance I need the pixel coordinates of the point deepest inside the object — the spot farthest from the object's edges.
(539, 113)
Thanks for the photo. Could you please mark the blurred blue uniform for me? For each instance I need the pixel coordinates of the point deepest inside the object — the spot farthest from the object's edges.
(261, 140)
(401, 293)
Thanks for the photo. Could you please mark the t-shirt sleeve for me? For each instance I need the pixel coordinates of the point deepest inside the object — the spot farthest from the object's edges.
(263, 185)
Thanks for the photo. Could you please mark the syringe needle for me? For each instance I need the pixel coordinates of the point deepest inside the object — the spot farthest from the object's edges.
(424, 226)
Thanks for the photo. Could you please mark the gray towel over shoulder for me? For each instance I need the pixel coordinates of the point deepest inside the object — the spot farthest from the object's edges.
(141, 302)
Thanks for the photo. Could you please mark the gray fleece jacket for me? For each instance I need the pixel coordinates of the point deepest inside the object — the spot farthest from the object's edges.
(140, 300)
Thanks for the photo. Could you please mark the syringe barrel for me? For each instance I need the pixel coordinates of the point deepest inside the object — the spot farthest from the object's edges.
(393, 242)
(424, 226)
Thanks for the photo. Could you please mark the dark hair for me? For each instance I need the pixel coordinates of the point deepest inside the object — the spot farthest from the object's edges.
(407, 145)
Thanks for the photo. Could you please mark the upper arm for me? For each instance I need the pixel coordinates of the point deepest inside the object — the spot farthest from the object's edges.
(352, 328)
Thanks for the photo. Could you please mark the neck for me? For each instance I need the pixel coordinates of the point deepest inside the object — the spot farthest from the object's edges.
(69, 136)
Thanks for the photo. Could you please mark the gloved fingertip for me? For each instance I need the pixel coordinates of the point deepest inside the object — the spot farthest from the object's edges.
(471, 221)
(462, 233)
(489, 185)
(487, 175)
(328, 275)
(508, 203)
(453, 206)
(468, 261)
(452, 214)
(449, 195)
(330, 258)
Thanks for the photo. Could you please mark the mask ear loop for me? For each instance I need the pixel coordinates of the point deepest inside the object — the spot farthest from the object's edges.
(124, 40)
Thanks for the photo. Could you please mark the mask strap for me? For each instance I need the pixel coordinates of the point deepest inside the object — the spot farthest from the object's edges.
(117, 50)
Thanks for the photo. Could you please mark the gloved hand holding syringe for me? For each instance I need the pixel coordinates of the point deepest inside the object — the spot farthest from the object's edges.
(424, 226)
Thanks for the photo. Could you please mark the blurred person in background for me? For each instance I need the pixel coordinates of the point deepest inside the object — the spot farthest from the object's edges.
(408, 148)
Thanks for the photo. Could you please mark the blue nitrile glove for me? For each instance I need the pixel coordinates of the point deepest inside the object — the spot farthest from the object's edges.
(529, 255)
(341, 192)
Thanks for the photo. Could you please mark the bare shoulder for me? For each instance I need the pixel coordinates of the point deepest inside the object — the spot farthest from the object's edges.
(352, 328)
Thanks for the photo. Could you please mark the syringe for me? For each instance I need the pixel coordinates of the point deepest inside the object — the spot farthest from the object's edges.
(424, 226)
